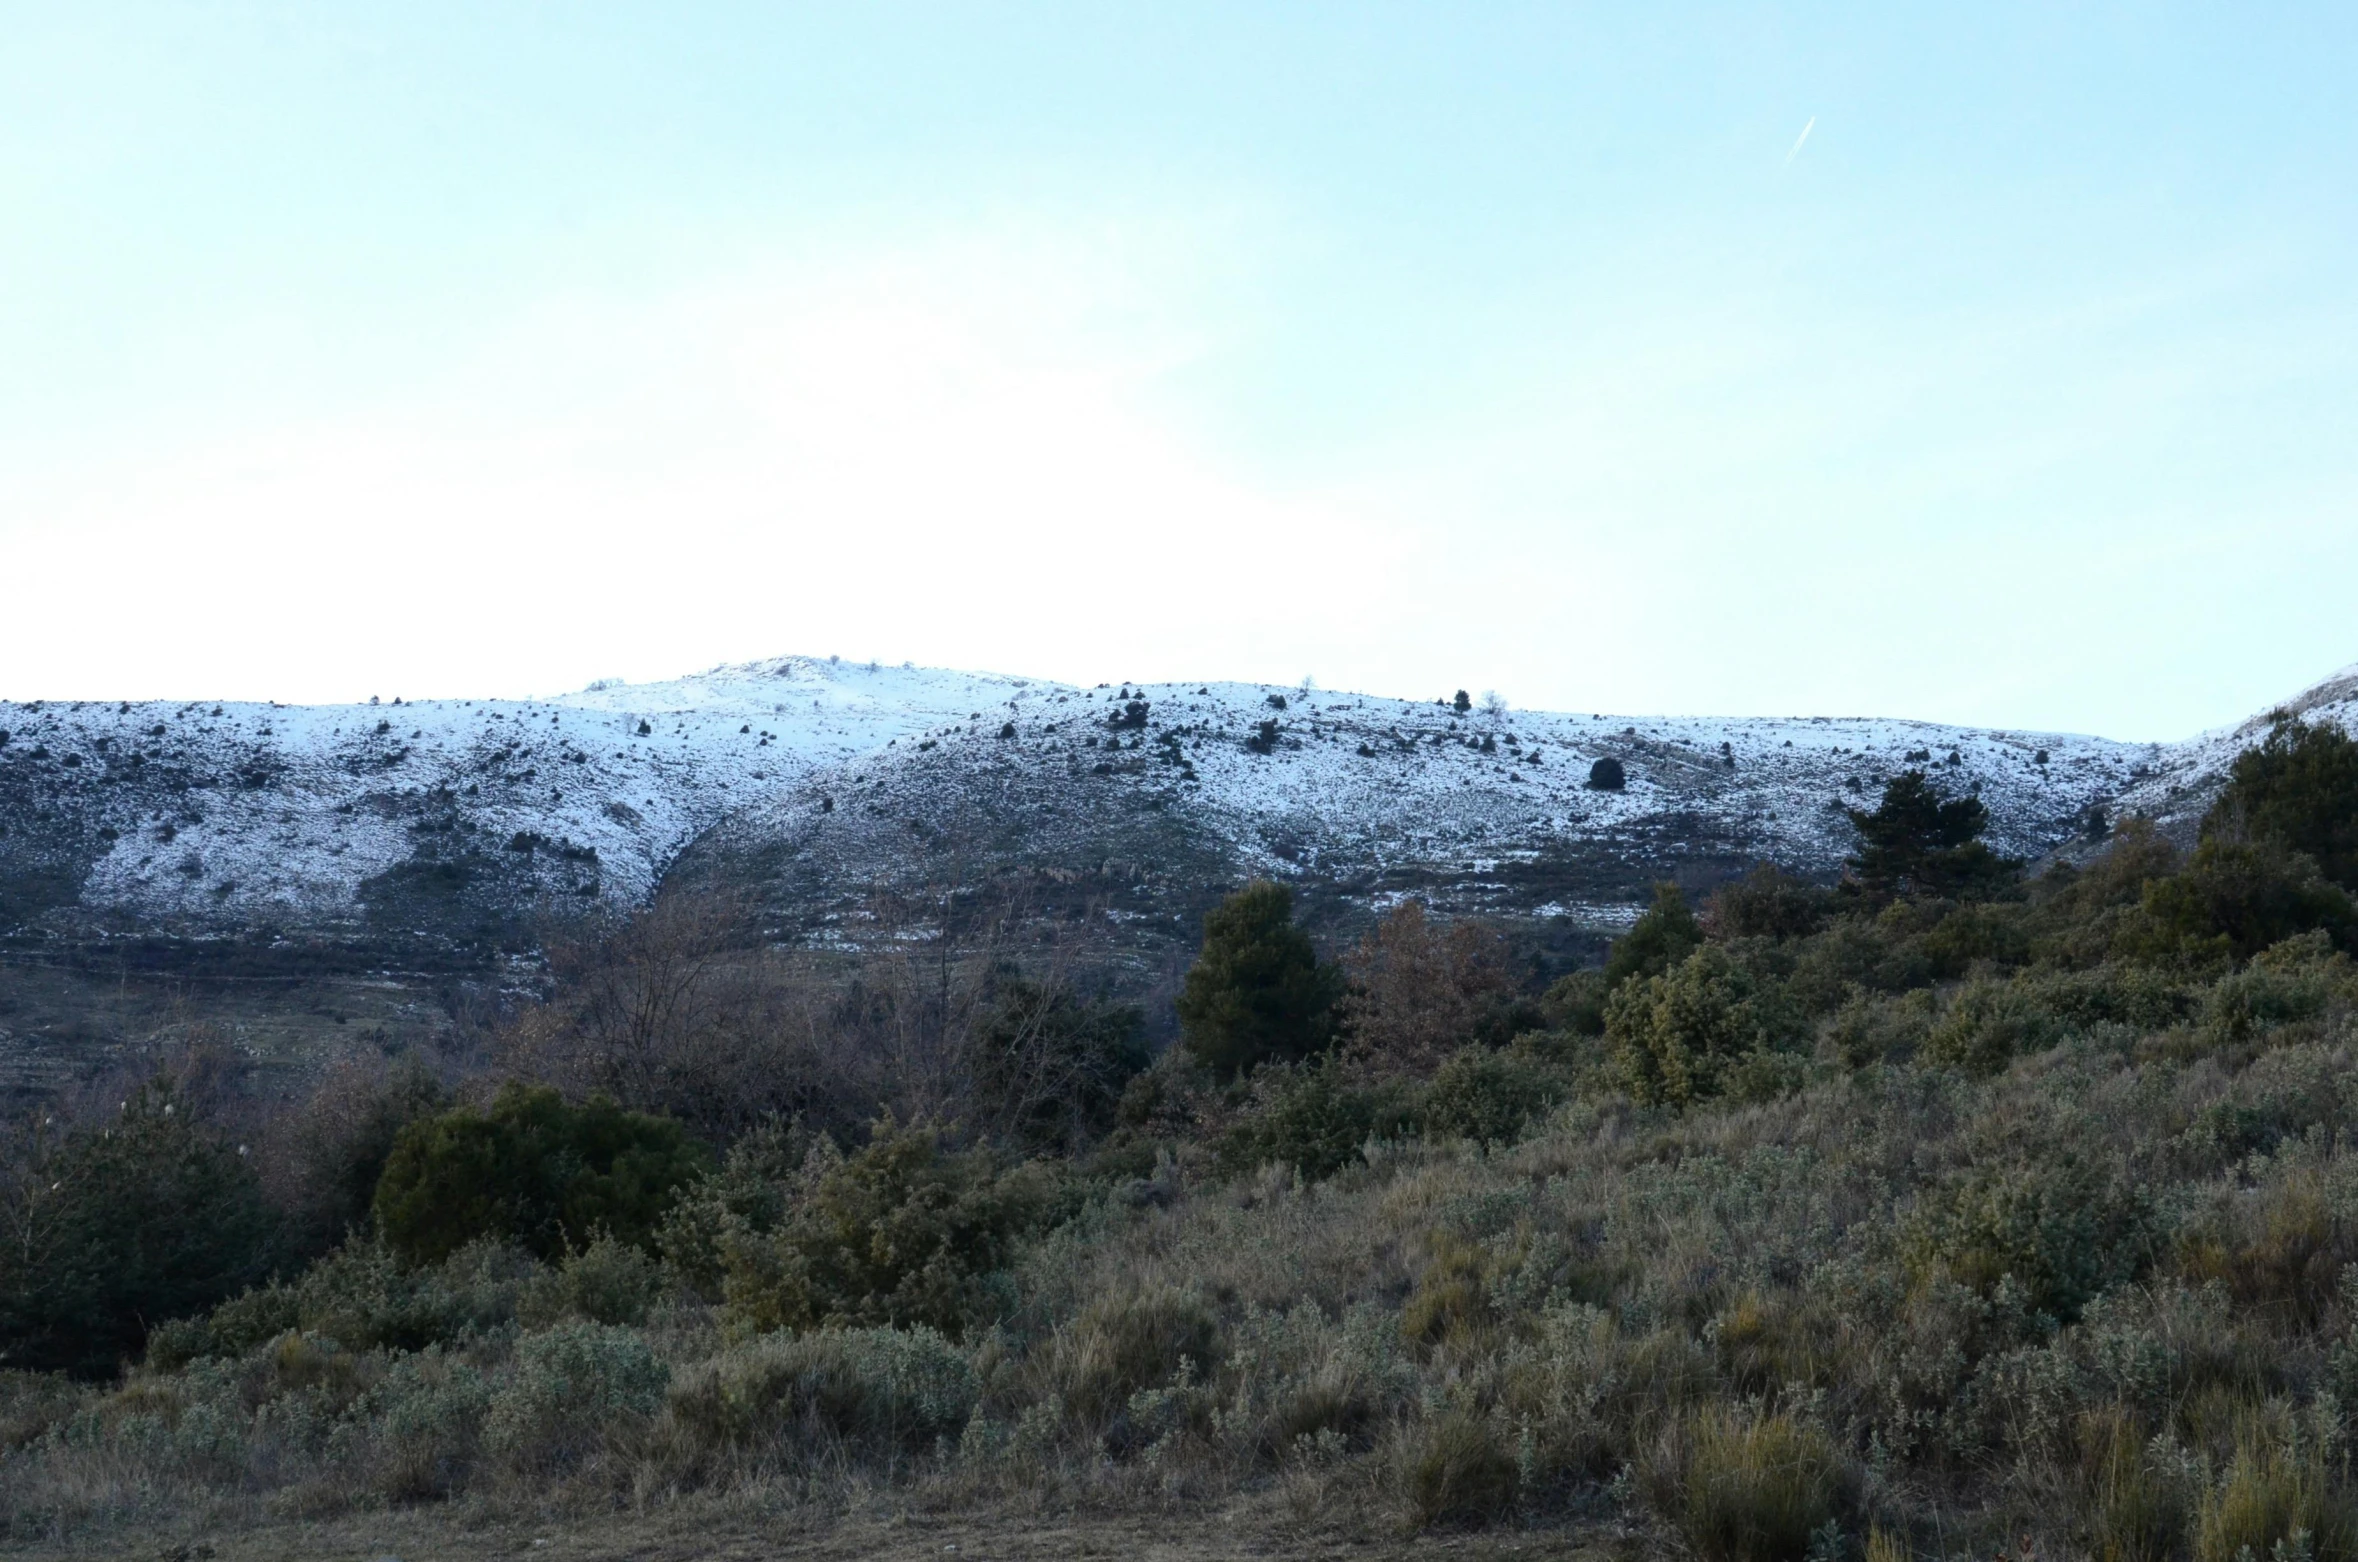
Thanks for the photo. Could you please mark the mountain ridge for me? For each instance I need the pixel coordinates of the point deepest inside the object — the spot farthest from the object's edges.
(450, 821)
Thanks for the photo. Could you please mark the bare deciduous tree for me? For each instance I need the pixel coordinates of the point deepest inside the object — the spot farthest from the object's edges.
(1420, 988)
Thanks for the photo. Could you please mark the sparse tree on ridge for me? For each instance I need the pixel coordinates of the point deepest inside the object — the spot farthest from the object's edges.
(1917, 842)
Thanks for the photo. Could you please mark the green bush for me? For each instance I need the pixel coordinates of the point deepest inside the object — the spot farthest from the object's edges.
(365, 1298)
(1257, 992)
(572, 1387)
(1869, 1030)
(2299, 788)
(1766, 903)
(1487, 1095)
(781, 1398)
(2236, 898)
(2060, 1229)
(1986, 1025)
(1314, 1118)
(608, 1282)
(420, 1426)
(113, 1228)
(2298, 980)
(1679, 1038)
(1974, 935)
(533, 1170)
(1665, 933)
(906, 1231)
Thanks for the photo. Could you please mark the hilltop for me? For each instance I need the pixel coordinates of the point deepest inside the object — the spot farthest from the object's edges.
(289, 868)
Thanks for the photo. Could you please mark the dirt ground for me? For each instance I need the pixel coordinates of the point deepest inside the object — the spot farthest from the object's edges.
(677, 1536)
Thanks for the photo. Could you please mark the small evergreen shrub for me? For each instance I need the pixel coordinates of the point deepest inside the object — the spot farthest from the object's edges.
(1683, 1036)
(905, 1231)
(573, 1386)
(1765, 903)
(2060, 1231)
(1489, 1096)
(1313, 1118)
(607, 1282)
(1988, 1024)
(534, 1170)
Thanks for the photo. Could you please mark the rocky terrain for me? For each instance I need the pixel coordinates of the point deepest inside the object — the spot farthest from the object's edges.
(372, 848)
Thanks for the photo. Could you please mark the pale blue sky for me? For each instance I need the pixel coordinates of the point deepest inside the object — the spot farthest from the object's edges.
(492, 348)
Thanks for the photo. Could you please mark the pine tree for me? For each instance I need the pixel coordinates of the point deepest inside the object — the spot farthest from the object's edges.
(1919, 843)
(2299, 788)
(1257, 992)
(115, 1230)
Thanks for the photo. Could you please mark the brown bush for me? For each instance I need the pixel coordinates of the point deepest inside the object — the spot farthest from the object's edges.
(1421, 989)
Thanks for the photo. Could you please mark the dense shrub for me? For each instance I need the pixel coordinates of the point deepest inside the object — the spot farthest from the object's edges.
(2058, 1231)
(785, 1400)
(2297, 787)
(1663, 935)
(609, 1281)
(2236, 898)
(1049, 1066)
(1257, 991)
(1704, 1026)
(1765, 903)
(1988, 1023)
(1489, 1095)
(907, 1230)
(534, 1170)
(1314, 1118)
(111, 1229)
(574, 1386)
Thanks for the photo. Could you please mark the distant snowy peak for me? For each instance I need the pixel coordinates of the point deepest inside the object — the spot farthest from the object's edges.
(453, 818)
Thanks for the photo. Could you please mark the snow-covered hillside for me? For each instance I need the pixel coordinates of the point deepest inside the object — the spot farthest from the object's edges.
(442, 818)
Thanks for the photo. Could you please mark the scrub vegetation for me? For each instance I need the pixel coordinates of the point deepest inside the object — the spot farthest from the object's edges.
(1953, 1209)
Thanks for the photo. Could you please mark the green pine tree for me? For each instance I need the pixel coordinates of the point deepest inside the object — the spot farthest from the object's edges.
(114, 1230)
(1918, 843)
(2299, 787)
(1257, 992)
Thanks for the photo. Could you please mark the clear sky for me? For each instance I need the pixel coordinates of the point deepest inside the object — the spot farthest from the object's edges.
(491, 348)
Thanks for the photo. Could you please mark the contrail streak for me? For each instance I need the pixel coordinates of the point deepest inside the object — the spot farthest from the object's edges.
(1797, 140)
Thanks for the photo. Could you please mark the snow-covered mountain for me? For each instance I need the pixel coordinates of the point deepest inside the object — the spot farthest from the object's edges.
(452, 821)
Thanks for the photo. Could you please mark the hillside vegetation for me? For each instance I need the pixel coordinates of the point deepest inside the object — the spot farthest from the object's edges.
(1944, 1211)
